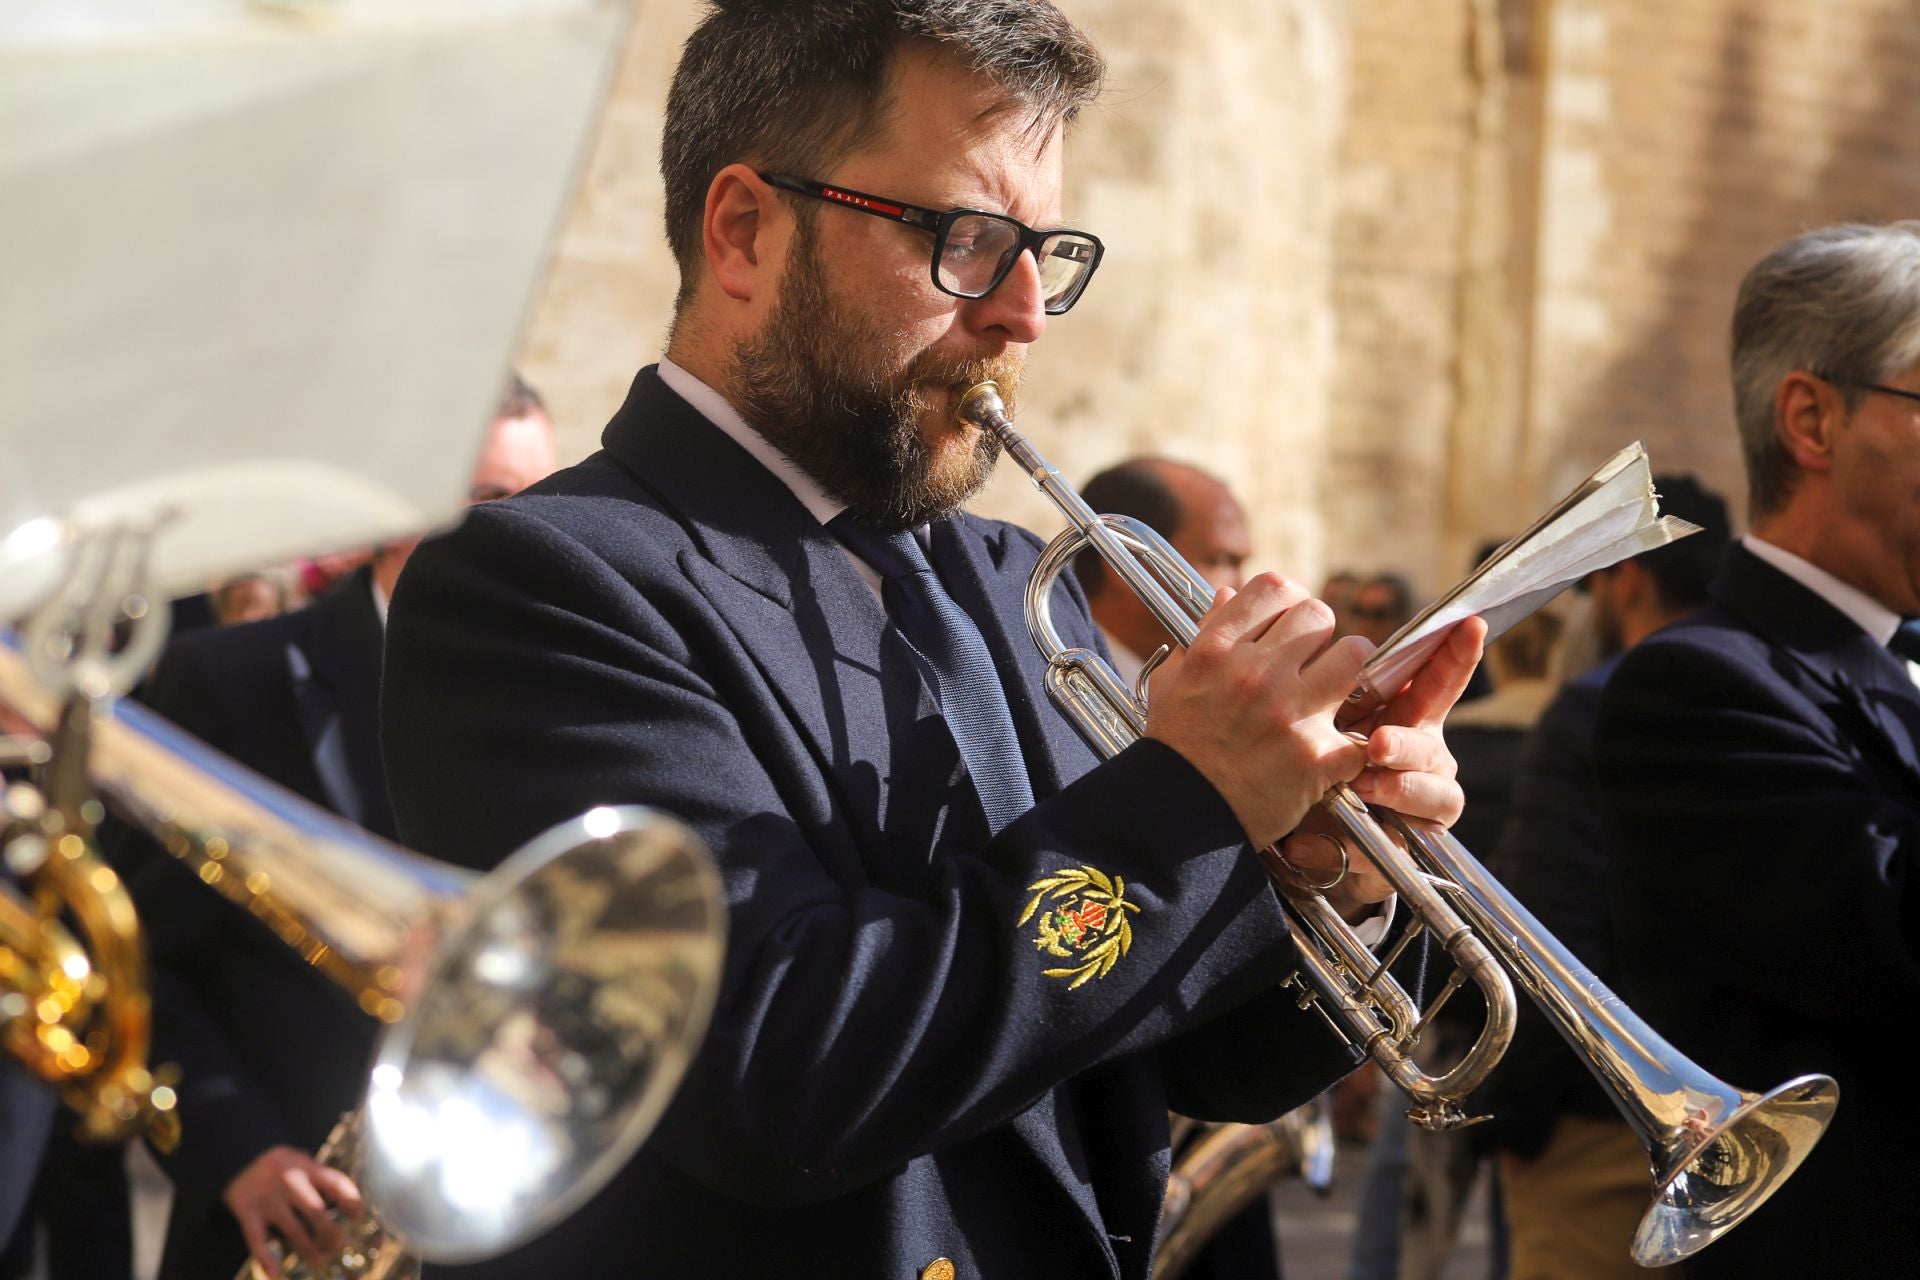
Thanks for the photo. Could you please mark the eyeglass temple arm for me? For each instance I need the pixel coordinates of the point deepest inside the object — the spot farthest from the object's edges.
(846, 197)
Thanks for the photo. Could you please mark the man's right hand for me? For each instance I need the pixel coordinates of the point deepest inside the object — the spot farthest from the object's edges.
(1251, 703)
(287, 1191)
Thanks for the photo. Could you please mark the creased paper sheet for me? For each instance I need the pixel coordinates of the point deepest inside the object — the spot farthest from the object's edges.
(1611, 516)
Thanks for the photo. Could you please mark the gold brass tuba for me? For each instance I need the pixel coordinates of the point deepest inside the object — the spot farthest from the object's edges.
(537, 1020)
(1718, 1152)
(1220, 1169)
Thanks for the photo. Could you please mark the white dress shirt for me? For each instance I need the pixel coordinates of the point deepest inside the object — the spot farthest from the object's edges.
(718, 410)
(1869, 614)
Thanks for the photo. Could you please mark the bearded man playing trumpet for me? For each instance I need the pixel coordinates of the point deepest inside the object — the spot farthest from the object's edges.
(970, 968)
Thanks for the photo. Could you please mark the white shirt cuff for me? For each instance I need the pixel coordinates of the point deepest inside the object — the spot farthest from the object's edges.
(1373, 930)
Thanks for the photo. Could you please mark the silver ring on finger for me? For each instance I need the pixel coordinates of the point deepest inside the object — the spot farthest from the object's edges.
(1340, 846)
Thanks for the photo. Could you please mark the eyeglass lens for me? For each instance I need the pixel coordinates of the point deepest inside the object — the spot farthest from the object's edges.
(979, 251)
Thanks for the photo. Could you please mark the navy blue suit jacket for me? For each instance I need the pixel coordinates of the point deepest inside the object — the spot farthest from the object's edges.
(270, 1051)
(890, 1077)
(1759, 766)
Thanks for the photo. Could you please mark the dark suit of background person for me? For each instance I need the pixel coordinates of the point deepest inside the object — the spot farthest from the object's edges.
(1759, 762)
(56, 1193)
(270, 1051)
(26, 1118)
(1573, 1175)
(27, 1109)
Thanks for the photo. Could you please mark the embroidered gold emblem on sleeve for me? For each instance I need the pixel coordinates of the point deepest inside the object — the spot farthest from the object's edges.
(1085, 920)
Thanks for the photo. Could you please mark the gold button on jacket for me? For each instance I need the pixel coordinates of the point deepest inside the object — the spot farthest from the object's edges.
(938, 1269)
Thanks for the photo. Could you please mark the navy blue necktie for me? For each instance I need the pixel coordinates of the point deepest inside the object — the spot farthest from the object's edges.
(955, 656)
(1906, 641)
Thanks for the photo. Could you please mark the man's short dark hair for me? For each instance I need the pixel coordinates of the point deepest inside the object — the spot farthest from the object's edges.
(1137, 488)
(1682, 571)
(796, 85)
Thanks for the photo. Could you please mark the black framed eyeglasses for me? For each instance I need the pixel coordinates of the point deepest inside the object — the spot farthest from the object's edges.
(1857, 385)
(973, 250)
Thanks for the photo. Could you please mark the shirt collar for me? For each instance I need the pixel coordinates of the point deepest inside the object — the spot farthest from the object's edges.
(1867, 613)
(715, 408)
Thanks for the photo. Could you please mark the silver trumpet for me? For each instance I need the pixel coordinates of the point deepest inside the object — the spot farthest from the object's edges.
(537, 1020)
(1717, 1152)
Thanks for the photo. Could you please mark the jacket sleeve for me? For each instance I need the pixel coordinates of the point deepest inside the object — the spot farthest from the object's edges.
(857, 1028)
(226, 1116)
(1745, 818)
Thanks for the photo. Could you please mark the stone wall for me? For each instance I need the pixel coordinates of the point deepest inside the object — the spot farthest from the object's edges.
(1684, 141)
(1398, 258)
(1401, 270)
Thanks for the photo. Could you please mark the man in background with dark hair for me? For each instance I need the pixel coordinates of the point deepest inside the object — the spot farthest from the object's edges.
(1759, 761)
(1573, 1175)
(969, 967)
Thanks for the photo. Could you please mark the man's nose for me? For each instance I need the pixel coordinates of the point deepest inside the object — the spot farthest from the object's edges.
(1016, 309)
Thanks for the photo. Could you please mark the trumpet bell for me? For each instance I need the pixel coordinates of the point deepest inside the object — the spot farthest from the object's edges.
(548, 1037)
(1708, 1184)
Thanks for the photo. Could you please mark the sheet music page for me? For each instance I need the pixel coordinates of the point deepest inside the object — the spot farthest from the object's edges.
(1609, 517)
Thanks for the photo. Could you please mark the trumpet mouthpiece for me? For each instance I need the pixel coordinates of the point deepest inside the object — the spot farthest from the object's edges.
(981, 405)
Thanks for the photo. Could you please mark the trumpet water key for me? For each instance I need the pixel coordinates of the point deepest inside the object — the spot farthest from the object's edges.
(1717, 1152)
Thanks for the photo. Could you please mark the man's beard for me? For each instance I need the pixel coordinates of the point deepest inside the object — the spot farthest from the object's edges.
(818, 383)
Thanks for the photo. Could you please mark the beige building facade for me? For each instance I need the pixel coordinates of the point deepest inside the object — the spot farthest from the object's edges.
(1400, 270)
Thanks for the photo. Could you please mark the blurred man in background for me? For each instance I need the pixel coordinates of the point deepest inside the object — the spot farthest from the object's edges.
(250, 597)
(1573, 1175)
(1759, 761)
(1381, 606)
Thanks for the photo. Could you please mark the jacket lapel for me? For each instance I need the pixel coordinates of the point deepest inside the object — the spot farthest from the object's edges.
(1832, 653)
(804, 616)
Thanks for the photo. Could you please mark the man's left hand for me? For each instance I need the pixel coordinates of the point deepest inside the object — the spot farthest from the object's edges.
(1409, 768)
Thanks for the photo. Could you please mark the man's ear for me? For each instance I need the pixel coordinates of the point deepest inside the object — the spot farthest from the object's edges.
(1806, 413)
(735, 231)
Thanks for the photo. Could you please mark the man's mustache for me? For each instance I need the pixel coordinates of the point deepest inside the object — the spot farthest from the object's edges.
(930, 372)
